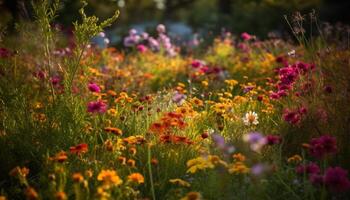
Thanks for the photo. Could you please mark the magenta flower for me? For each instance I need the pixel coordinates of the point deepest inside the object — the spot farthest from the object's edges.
(5, 53)
(246, 36)
(197, 63)
(336, 179)
(292, 117)
(322, 146)
(141, 48)
(273, 139)
(316, 179)
(93, 87)
(97, 107)
(308, 169)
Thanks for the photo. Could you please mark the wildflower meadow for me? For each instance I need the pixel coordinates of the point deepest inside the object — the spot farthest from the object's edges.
(237, 117)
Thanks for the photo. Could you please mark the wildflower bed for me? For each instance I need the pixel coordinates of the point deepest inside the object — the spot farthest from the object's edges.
(241, 119)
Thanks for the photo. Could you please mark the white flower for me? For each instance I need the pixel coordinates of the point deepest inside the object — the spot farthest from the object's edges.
(250, 118)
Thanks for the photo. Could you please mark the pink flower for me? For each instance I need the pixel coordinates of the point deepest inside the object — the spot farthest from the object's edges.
(97, 107)
(93, 87)
(322, 146)
(245, 36)
(141, 48)
(336, 179)
(161, 28)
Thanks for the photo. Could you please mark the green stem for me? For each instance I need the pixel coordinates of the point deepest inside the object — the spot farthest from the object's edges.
(150, 171)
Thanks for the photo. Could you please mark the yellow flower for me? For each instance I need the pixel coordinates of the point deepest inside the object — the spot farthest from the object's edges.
(205, 83)
(180, 182)
(102, 194)
(238, 168)
(202, 163)
(109, 177)
(192, 196)
(136, 178)
(197, 102)
(231, 82)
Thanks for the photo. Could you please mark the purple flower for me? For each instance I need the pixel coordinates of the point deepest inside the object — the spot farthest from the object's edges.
(256, 140)
(178, 98)
(93, 87)
(97, 107)
(322, 146)
(336, 179)
(259, 169)
(218, 140)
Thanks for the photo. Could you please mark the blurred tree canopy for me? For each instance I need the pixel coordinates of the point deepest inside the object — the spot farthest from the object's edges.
(255, 16)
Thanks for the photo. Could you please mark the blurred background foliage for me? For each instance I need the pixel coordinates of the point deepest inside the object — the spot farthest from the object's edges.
(189, 16)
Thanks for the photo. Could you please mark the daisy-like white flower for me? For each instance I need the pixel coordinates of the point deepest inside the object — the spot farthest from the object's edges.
(250, 118)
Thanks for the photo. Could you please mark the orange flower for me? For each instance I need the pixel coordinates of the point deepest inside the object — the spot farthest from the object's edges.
(109, 145)
(131, 162)
(115, 131)
(154, 161)
(31, 194)
(239, 157)
(136, 178)
(122, 160)
(78, 149)
(17, 171)
(132, 151)
(60, 157)
(60, 196)
(78, 178)
(109, 178)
